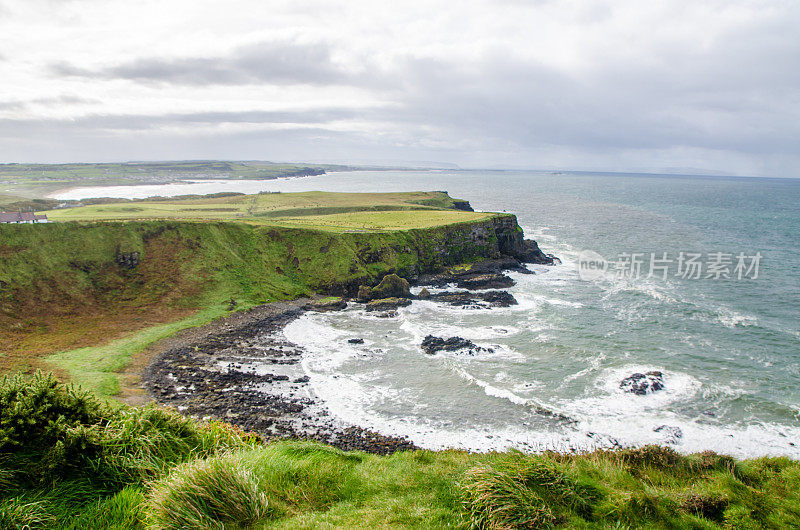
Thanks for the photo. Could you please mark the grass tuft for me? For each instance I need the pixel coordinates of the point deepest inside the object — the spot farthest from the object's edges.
(524, 491)
(16, 513)
(210, 493)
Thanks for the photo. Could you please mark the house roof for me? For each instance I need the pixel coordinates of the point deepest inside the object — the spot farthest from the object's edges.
(20, 217)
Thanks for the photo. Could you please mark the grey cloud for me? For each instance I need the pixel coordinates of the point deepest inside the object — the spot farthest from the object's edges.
(270, 62)
(715, 100)
(736, 95)
(12, 105)
(62, 100)
(133, 123)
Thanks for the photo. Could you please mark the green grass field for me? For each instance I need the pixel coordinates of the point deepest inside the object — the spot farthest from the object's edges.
(317, 210)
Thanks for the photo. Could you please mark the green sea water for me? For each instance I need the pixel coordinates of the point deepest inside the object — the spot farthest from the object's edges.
(728, 348)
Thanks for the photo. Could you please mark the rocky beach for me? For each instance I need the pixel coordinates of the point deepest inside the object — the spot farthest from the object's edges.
(241, 369)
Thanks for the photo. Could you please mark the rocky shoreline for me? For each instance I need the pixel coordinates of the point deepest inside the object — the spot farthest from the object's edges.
(241, 369)
(244, 372)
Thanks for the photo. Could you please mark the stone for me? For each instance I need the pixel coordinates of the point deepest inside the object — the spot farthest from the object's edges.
(356, 341)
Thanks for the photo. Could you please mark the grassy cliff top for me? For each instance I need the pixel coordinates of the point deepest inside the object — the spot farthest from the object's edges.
(315, 209)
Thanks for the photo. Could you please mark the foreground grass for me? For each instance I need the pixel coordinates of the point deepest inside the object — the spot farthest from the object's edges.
(69, 461)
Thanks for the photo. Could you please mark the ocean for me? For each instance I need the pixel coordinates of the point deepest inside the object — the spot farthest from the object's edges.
(699, 279)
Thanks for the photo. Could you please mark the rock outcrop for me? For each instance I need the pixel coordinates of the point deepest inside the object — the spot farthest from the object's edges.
(642, 384)
(511, 241)
(127, 260)
(432, 344)
(326, 305)
(391, 286)
(485, 281)
(387, 304)
(467, 298)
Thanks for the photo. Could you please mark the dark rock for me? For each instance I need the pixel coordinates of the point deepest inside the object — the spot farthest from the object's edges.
(364, 293)
(386, 304)
(641, 384)
(485, 281)
(531, 253)
(489, 266)
(464, 206)
(512, 242)
(432, 344)
(498, 298)
(356, 341)
(304, 379)
(467, 298)
(424, 294)
(127, 260)
(672, 434)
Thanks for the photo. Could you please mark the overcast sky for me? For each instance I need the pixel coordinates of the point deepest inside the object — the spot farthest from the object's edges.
(602, 85)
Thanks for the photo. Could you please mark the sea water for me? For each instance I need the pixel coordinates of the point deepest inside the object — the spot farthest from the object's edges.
(728, 347)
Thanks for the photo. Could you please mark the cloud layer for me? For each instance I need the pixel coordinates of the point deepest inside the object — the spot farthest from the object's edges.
(619, 85)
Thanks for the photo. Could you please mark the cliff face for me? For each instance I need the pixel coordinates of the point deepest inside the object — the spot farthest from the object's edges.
(57, 270)
(511, 242)
(494, 238)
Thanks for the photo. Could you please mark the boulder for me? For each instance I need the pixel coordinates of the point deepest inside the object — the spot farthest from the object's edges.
(424, 294)
(355, 341)
(387, 304)
(391, 286)
(642, 384)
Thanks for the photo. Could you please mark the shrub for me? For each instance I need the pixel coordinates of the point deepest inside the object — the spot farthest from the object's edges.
(51, 430)
(36, 411)
(209, 493)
